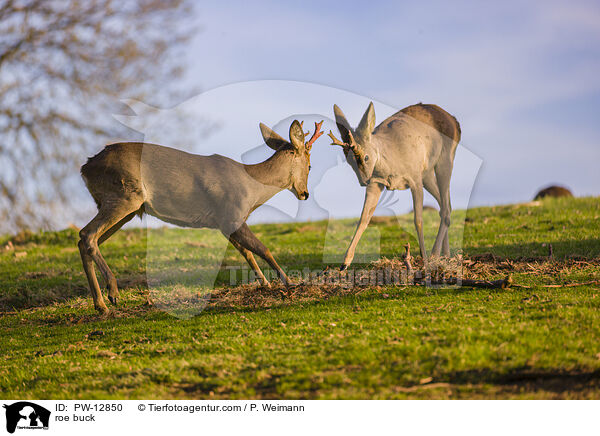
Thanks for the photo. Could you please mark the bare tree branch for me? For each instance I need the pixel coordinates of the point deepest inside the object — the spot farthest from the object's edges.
(63, 67)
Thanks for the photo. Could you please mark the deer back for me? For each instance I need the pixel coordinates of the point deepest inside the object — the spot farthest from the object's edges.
(175, 186)
(407, 148)
(437, 118)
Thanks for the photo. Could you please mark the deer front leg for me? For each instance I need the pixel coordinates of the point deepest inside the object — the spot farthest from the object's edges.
(372, 195)
(248, 240)
(446, 246)
(417, 194)
(251, 261)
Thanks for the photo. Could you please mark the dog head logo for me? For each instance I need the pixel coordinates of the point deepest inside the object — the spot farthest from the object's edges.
(26, 415)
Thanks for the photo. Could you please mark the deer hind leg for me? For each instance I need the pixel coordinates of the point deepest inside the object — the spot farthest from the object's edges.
(441, 242)
(371, 199)
(109, 219)
(88, 267)
(115, 228)
(249, 241)
(251, 261)
(417, 195)
(113, 291)
(443, 172)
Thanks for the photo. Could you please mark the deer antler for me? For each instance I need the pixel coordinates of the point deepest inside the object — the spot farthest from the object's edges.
(315, 135)
(347, 146)
(337, 141)
(340, 143)
(307, 133)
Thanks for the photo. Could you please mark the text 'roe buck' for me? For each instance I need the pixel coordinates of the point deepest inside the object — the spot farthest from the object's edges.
(188, 190)
(414, 148)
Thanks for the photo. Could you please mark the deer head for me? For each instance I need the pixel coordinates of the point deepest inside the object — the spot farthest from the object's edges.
(297, 153)
(360, 152)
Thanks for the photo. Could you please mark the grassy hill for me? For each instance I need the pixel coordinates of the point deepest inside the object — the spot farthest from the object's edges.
(382, 341)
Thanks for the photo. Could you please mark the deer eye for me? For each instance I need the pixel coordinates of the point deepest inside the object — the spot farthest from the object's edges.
(366, 158)
(309, 167)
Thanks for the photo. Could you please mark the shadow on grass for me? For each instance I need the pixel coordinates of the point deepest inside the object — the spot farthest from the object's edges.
(528, 379)
(561, 250)
(550, 383)
(136, 311)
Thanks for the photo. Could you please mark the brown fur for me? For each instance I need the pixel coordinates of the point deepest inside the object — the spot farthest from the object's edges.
(114, 171)
(412, 149)
(188, 190)
(436, 117)
(553, 191)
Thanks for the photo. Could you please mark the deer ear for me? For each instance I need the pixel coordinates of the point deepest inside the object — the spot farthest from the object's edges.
(297, 135)
(342, 124)
(271, 138)
(367, 123)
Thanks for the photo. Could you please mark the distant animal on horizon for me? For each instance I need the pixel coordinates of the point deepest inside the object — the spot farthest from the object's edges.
(128, 179)
(553, 191)
(412, 149)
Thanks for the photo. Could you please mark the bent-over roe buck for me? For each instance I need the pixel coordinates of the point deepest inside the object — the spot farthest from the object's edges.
(188, 190)
(414, 148)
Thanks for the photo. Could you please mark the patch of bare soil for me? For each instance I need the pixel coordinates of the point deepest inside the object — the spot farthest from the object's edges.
(476, 271)
(481, 270)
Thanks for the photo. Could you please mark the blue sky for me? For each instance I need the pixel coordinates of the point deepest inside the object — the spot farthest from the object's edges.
(523, 79)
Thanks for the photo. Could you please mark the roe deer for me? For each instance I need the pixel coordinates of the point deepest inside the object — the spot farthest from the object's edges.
(553, 191)
(189, 190)
(414, 148)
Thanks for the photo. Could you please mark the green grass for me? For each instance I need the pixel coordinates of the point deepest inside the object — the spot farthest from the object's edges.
(379, 342)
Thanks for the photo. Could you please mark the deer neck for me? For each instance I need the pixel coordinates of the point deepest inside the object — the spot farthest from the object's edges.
(274, 173)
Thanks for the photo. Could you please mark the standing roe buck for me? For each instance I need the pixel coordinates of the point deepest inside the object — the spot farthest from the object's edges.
(189, 190)
(414, 148)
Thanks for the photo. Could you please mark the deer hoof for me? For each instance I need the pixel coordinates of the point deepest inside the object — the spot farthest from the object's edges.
(113, 300)
(103, 310)
(343, 267)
